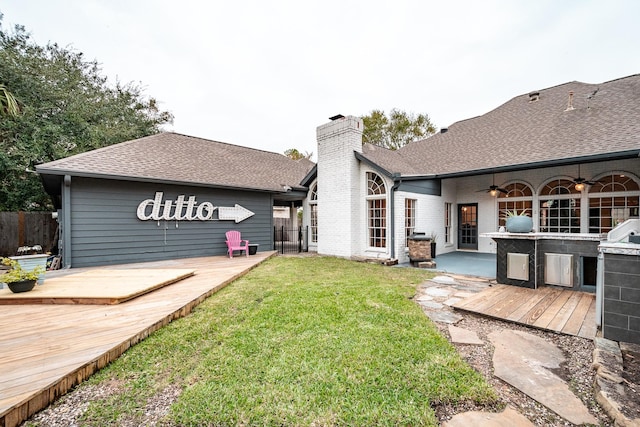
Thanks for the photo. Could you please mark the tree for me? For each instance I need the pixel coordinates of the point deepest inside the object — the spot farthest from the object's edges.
(397, 129)
(8, 104)
(67, 107)
(294, 154)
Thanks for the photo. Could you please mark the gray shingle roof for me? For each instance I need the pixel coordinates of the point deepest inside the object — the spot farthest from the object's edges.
(605, 119)
(172, 157)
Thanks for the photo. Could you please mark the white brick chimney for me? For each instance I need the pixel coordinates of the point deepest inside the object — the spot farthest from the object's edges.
(340, 220)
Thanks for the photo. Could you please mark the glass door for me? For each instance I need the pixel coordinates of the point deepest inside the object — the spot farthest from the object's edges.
(468, 226)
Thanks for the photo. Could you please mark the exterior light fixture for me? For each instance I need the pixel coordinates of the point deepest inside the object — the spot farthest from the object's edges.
(493, 192)
(579, 186)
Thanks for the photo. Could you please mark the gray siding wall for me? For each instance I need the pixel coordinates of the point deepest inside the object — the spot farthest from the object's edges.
(105, 229)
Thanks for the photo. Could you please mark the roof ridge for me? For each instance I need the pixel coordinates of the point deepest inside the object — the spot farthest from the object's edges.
(101, 149)
(535, 90)
(224, 143)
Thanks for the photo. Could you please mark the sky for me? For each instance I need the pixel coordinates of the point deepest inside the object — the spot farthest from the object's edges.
(265, 74)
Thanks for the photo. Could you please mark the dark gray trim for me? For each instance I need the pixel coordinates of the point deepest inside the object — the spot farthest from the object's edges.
(431, 187)
(66, 221)
(288, 197)
(394, 187)
(308, 179)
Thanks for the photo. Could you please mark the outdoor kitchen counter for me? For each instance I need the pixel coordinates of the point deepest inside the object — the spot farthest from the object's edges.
(546, 236)
(620, 248)
(534, 259)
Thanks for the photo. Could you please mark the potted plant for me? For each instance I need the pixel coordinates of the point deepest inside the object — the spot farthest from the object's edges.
(518, 222)
(434, 236)
(17, 278)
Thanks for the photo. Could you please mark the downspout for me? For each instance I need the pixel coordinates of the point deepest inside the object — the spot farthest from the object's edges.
(396, 183)
(66, 222)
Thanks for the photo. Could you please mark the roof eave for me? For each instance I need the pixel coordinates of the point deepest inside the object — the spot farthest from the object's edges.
(60, 172)
(620, 155)
(310, 176)
(374, 165)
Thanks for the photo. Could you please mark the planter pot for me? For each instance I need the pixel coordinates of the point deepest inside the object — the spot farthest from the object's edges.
(24, 286)
(29, 262)
(519, 224)
(253, 249)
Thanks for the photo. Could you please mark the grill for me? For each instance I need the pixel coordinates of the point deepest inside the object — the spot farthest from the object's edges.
(419, 247)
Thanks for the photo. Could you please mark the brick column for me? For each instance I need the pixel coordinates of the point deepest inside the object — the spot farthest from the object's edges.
(339, 197)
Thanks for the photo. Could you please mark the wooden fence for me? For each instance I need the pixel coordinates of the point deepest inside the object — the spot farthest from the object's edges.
(27, 229)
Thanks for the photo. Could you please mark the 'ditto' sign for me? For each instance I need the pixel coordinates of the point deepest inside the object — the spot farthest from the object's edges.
(188, 209)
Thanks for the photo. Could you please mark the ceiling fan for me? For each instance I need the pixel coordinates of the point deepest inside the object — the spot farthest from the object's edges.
(493, 188)
(580, 182)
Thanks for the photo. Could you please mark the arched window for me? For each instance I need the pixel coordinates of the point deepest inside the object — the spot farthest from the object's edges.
(560, 207)
(376, 211)
(313, 205)
(613, 199)
(519, 196)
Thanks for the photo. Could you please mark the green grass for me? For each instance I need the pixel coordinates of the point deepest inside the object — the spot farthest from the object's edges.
(298, 341)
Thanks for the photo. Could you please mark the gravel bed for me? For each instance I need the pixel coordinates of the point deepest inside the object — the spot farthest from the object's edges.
(576, 371)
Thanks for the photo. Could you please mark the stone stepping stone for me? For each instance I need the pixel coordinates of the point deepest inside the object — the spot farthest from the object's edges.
(443, 316)
(438, 292)
(431, 304)
(507, 418)
(452, 301)
(464, 336)
(526, 362)
(444, 280)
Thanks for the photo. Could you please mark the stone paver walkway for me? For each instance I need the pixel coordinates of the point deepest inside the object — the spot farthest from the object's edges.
(526, 362)
(526, 365)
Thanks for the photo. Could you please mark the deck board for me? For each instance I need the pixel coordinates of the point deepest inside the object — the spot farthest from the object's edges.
(564, 313)
(45, 350)
(511, 300)
(552, 310)
(529, 301)
(533, 315)
(574, 324)
(484, 300)
(560, 310)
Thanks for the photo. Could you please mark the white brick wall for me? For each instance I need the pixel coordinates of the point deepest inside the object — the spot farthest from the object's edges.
(429, 220)
(339, 191)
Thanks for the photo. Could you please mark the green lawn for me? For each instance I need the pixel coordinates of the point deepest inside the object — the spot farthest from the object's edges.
(298, 341)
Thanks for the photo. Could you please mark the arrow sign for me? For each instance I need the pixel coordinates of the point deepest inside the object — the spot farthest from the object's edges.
(236, 213)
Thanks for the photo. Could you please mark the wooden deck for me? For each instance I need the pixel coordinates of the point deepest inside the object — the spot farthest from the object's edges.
(555, 309)
(45, 350)
(99, 286)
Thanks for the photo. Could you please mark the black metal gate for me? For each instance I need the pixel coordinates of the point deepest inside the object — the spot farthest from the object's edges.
(290, 241)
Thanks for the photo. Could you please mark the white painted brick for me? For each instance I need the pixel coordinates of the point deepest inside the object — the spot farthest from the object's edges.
(338, 189)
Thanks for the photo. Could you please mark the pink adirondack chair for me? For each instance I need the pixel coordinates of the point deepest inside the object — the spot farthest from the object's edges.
(235, 243)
